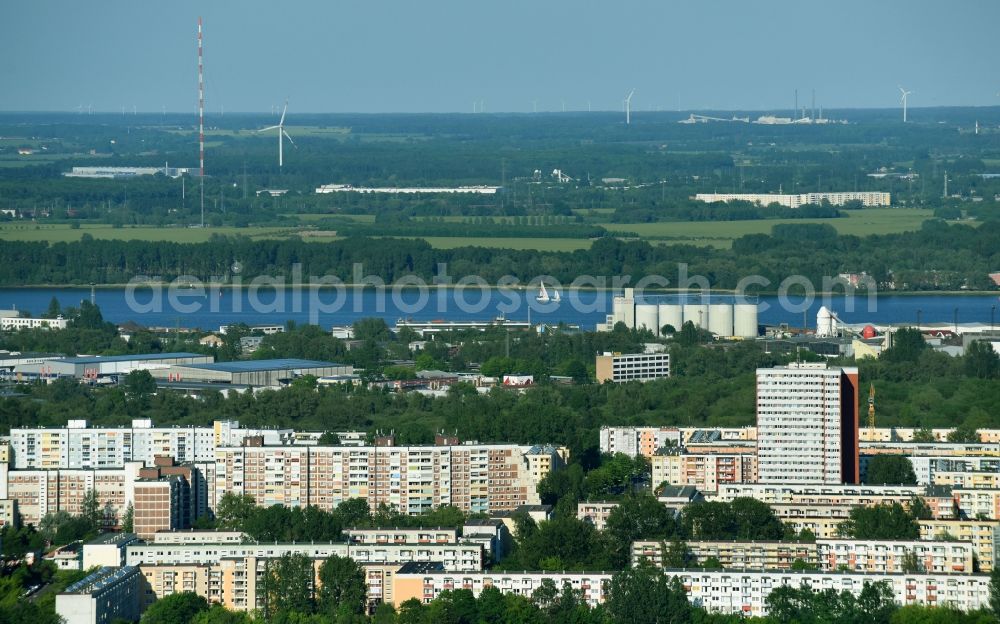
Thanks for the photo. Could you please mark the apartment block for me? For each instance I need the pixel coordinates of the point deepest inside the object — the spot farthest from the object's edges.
(104, 596)
(906, 434)
(423, 584)
(78, 446)
(638, 441)
(231, 573)
(107, 550)
(889, 556)
(703, 471)
(39, 492)
(455, 556)
(983, 534)
(827, 555)
(746, 592)
(8, 512)
(731, 592)
(807, 424)
(836, 502)
(619, 367)
(492, 534)
(160, 505)
(977, 503)
(198, 536)
(415, 479)
(734, 555)
(429, 535)
(595, 513)
(238, 583)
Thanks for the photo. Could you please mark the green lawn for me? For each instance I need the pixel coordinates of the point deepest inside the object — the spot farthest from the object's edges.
(721, 233)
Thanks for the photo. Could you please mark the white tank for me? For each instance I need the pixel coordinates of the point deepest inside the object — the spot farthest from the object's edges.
(745, 320)
(697, 314)
(720, 319)
(824, 322)
(671, 314)
(647, 315)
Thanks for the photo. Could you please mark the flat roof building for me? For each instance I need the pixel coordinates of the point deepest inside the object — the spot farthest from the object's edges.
(867, 198)
(266, 373)
(95, 367)
(102, 597)
(807, 424)
(622, 367)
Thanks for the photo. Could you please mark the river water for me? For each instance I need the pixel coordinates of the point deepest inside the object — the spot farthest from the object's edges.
(210, 309)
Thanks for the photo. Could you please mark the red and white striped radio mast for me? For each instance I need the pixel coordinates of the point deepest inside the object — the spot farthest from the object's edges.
(201, 123)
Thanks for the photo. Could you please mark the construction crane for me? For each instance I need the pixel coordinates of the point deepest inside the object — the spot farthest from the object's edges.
(871, 406)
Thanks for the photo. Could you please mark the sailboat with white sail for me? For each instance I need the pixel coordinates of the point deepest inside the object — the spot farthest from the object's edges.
(543, 295)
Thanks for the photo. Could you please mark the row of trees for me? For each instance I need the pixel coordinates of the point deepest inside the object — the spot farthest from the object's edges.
(961, 256)
(641, 595)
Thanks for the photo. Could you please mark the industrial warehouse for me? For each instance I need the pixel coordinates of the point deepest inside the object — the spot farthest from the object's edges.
(179, 370)
(105, 367)
(255, 373)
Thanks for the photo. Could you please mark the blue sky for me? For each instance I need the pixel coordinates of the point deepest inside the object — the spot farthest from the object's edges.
(442, 55)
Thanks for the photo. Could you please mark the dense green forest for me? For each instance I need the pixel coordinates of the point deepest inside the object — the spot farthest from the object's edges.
(937, 257)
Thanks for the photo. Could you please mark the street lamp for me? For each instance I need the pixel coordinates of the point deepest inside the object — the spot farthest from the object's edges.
(918, 318)
(956, 320)
(993, 311)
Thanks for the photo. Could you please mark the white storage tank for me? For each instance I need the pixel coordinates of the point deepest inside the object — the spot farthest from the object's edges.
(720, 319)
(697, 313)
(745, 320)
(824, 322)
(671, 314)
(647, 315)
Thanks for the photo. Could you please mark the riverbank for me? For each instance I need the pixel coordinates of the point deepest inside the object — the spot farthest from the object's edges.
(516, 287)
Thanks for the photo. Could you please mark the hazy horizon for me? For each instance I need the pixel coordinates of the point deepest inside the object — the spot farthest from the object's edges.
(516, 57)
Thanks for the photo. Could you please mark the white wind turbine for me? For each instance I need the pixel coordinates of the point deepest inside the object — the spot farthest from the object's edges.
(904, 93)
(282, 135)
(628, 107)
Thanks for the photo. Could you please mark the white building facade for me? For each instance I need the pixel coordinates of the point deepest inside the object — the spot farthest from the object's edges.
(807, 424)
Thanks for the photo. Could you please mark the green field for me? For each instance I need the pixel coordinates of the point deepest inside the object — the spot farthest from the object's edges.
(704, 233)
(722, 233)
(544, 244)
(58, 233)
(308, 217)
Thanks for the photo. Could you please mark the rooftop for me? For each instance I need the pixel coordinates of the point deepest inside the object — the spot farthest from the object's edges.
(96, 359)
(114, 538)
(421, 567)
(250, 366)
(102, 578)
(674, 491)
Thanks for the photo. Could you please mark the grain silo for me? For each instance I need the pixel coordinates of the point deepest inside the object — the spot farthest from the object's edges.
(647, 315)
(720, 318)
(671, 314)
(745, 320)
(697, 313)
